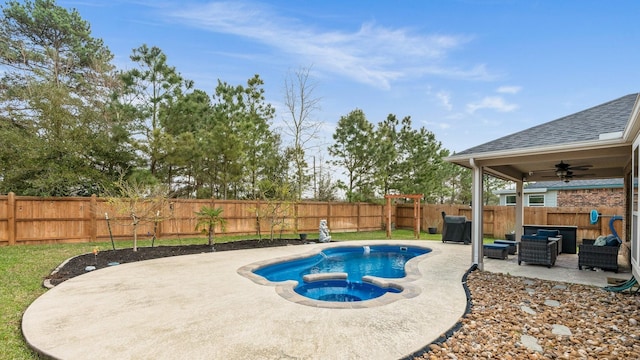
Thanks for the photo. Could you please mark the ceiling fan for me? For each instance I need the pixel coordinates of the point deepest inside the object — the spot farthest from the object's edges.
(565, 171)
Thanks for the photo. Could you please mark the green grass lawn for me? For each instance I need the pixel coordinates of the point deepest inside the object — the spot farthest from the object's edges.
(23, 268)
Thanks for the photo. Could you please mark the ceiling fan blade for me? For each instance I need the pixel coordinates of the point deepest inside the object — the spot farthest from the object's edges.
(581, 167)
(564, 166)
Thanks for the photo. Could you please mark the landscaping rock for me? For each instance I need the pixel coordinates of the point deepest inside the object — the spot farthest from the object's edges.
(590, 323)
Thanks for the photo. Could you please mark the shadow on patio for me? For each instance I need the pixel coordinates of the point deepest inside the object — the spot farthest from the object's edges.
(565, 269)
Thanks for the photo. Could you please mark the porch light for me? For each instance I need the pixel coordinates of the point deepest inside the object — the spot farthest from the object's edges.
(561, 173)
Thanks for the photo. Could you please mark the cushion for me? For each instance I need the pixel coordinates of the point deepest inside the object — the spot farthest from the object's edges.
(548, 233)
(612, 240)
(600, 241)
(534, 238)
(495, 246)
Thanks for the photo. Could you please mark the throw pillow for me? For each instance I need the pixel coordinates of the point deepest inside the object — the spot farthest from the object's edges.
(548, 233)
(613, 240)
(600, 241)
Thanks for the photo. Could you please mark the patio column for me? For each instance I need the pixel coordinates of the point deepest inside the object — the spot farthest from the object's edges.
(476, 215)
(519, 221)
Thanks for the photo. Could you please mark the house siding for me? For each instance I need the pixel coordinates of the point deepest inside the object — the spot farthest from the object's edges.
(591, 197)
(551, 199)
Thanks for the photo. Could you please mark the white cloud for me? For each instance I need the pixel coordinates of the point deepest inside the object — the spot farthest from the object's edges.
(491, 102)
(371, 54)
(509, 89)
(445, 99)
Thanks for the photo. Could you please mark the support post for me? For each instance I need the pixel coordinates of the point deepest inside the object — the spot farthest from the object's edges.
(519, 210)
(416, 218)
(476, 215)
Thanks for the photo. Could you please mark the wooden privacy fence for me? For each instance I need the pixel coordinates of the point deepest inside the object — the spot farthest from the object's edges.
(36, 220)
(500, 220)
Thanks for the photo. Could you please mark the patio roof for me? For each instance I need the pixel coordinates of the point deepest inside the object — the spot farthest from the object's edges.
(599, 137)
(615, 183)
(544, 186)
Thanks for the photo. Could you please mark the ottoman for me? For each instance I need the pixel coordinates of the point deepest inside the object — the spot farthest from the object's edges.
(512, 245)
(495, 251)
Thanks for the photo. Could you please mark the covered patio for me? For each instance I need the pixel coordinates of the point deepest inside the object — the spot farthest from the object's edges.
(599, 142)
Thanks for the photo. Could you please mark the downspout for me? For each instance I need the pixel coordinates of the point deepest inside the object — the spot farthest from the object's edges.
(476, 215)
(519, 208)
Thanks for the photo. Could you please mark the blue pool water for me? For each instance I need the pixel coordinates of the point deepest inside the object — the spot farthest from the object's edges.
(342, 290)
(384, 261)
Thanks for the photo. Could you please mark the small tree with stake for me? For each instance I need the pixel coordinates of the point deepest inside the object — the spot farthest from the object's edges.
(139, 201)
(208, 218)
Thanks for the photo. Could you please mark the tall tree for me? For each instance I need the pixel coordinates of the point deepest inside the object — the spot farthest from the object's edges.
(327, 187)
(245, 150)
(353, 150)
(152, 85)
(228, 148)
(387, 154)
(422, 158)
(491, 184)
(54, 103)
(455, 183)
(301, 103)
(184, 120)
(261, 144)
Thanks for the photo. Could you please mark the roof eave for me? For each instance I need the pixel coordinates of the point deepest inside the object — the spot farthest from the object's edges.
(633, 125)
(464, 159)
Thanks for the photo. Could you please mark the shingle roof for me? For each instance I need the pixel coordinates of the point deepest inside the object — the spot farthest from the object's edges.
(578, 184)
(585, 125)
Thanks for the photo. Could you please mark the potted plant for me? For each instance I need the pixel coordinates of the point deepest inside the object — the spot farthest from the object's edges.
(433, 226)
(511, 235)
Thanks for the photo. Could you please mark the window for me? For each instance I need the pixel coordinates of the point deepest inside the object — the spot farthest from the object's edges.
(536, 200)
(510, 200)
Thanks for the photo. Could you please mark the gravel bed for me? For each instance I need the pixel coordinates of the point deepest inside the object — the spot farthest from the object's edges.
(522, 318)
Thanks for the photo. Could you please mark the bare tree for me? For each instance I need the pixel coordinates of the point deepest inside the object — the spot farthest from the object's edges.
(139, 201)
(301, 104)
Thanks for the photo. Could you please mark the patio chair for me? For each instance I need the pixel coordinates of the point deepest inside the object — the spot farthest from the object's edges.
(551, 234)
(534, 249)
(604, 257)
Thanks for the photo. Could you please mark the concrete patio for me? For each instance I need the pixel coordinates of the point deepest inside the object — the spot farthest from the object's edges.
(199, 307)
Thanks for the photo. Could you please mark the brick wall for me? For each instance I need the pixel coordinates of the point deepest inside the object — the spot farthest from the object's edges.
(591, 198)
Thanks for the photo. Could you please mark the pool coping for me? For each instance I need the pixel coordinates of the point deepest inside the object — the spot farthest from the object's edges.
(286, 288)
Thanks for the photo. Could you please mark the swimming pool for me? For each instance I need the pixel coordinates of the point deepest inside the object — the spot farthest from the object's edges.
(344, 273)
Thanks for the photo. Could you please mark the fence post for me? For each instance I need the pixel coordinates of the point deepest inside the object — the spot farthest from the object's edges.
(93, 213)
(11, 217)
(159, 227)
(296, 213)
(358, 220)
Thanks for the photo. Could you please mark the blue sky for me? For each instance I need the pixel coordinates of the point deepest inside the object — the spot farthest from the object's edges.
(469, 71)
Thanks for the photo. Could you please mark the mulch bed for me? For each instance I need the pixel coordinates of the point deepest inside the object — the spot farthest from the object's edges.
(77, 265)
